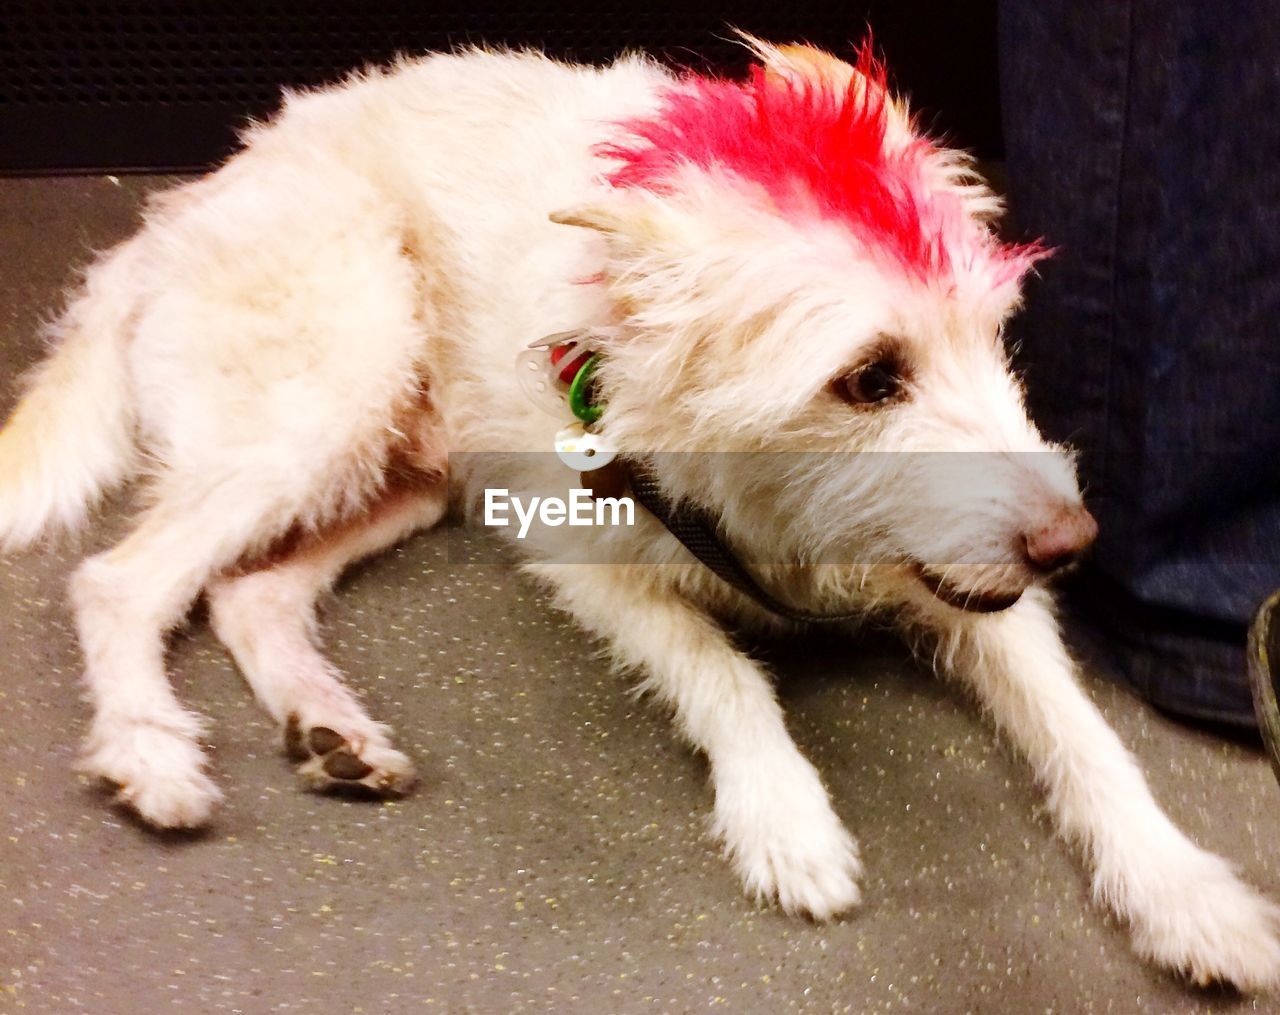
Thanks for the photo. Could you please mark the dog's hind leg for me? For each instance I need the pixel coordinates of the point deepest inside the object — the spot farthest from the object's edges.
(284, 345)
(266, 617)
(126, 600)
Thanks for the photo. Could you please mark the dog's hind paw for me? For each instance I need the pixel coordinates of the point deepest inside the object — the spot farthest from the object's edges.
(158, 772)
(1212, 928)
(330, 760)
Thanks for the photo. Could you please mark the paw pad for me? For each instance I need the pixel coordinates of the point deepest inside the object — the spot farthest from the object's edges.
(323, 740)
(330, 761)
(342, 764)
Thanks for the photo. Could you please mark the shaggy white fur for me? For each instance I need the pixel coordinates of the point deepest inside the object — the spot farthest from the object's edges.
(303, 352)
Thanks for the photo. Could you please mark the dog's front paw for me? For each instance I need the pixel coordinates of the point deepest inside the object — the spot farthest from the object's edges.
(1201, 921)
(364, 761)
(158, 771)
(785, 841)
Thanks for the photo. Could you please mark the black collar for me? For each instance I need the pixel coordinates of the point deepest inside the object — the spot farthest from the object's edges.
(697, 531)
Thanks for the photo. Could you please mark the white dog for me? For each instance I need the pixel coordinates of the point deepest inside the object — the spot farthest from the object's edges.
(294, 351)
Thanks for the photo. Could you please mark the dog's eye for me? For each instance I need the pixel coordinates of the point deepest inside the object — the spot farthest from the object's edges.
(875, 382)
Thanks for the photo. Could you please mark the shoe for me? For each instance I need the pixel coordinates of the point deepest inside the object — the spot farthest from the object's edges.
(1264, 674)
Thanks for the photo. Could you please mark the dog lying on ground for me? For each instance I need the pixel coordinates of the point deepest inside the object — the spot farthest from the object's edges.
(294, 349)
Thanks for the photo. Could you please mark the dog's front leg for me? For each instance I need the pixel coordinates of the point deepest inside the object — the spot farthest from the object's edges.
(1187, 909)
(772, 812)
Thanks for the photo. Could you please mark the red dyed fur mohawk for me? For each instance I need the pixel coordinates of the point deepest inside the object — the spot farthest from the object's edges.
(825, 140)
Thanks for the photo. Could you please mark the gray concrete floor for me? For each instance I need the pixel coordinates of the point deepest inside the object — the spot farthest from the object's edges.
(555, 856)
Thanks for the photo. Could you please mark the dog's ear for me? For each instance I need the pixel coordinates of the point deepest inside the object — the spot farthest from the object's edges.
(802, 64)
(599, 217)
(631, 222)
(629, 219)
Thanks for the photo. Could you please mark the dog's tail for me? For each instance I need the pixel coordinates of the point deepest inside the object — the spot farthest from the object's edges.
(71, 437)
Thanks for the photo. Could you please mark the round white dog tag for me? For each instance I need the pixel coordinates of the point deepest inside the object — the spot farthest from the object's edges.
(583, 451)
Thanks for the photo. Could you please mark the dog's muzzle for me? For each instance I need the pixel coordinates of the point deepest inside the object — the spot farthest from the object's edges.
(968, 600)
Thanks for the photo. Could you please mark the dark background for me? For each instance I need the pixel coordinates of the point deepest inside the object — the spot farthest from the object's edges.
(132, 85)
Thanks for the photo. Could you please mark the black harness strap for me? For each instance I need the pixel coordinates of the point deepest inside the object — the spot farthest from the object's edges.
(696, 531)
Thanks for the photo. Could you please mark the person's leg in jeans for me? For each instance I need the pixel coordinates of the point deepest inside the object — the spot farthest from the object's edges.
(1141, 138)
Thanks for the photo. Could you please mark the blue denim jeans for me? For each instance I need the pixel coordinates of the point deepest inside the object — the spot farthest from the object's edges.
(1143, 142)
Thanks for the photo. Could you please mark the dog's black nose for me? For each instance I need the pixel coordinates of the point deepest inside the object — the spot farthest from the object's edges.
(1061, 541)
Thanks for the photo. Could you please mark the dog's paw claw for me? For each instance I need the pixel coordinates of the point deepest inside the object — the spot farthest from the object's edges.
(332, 761)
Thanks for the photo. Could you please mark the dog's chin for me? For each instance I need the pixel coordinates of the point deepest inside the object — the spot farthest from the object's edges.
(969, 600)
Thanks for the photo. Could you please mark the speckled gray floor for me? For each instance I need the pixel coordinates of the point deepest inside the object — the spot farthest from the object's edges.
(554, 858)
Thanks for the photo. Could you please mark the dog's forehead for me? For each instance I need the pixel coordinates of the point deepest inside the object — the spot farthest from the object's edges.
(864, 302)
(824, 142)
